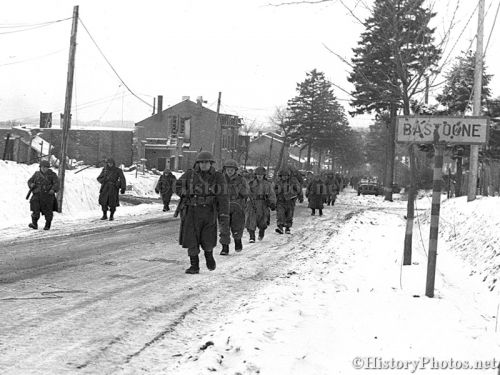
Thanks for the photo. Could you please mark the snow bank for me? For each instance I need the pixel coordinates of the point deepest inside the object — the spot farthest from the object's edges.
(81, 192)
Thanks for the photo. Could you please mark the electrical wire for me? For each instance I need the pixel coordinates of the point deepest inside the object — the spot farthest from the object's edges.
(111, 66)
(491, 31)
(35, 27)
(34, 58)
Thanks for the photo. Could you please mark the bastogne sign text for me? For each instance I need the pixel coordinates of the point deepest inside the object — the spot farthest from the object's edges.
(449, 130)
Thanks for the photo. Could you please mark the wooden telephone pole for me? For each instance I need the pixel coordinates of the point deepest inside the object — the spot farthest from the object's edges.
(67, 107)
(218, 132)
(476, 104)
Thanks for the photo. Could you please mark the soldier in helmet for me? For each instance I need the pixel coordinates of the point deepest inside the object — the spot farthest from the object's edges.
(112, 181)
(261, 199)
(204, 198)
(288, 190)
(238, 190)
(165, 187)
(316, 194)
(43, 184)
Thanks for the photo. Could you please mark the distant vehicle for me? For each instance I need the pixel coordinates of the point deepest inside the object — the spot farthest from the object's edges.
(396, 189)
(368, 187)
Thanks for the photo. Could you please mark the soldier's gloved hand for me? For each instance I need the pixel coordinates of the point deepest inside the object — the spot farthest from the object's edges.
(122, 191)
(272, 206)
(32, 185)
(52, 192)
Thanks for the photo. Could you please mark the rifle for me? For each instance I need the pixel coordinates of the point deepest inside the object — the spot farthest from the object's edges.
(29, 194)
(180, 206)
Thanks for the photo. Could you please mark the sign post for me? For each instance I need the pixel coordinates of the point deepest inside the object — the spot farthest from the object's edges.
(440, 132)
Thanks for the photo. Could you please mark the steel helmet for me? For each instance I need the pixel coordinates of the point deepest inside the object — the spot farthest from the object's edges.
(45, 163)
(205, 156)
(260, 170)
(284, 172)
(230, 163)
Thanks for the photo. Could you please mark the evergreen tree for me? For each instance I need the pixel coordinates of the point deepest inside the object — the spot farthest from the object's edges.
(393, 57)
(313, 111)
(394, 54)
(456, 96)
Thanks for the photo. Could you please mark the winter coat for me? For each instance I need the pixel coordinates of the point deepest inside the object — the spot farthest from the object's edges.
(112, 182)
(205, 199)
(288, 190)
(43, 186)
(316, 193)
(261, 198)
(238, 190)
(166, 185)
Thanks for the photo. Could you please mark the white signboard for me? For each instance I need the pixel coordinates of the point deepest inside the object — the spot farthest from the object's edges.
(434, 129)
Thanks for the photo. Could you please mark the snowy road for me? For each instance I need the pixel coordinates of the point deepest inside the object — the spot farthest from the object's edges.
(103, 300)
(95, 297)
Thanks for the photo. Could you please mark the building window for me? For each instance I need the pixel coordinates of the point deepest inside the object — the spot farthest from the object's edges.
(172, 123)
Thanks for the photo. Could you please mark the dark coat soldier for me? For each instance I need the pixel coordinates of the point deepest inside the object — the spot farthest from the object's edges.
(43, 185)
(112, 181)
(238, 190)
(332, 187)
(316, 194)
(261, 200)
(165, 187)
(288, 190)
(204, 200)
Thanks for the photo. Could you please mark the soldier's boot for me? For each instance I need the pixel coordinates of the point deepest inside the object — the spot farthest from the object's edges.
(34, 223)
(287, 230)
(313, 212)
(48, 222)
(320, 212)
(252, 236)
(261, 234)
(279, 229)
(195, 265)
(111, 215)
(209, 258)
(225, 250)
(104, 215)
(238, 246)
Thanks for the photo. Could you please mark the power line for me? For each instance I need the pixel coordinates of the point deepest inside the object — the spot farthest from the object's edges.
(492, 27)
(111, 66)
(34, 58)
(35, 27)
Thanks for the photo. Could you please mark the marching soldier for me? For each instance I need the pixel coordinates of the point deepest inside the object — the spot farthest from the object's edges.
(332, 188)
(238, 193)
(165, 187)
(43, 185)
(112, 181)
(203, 200)
(316, 193)
(261, 199)
(288, 190)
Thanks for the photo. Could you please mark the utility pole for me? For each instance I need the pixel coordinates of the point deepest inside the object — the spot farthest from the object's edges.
(476, 104)
(67, 107)
(218, 131)
(270, 152)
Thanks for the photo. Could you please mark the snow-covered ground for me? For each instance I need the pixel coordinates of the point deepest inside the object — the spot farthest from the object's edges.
(80, 201)
(345, 305)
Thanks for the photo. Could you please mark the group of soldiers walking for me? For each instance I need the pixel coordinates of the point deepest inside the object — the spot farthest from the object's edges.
(208, 199)
(236, 201)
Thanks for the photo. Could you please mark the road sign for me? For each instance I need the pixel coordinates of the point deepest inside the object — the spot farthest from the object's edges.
(440, 130)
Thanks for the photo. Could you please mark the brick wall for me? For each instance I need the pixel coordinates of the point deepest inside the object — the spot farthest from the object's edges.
(91, 146)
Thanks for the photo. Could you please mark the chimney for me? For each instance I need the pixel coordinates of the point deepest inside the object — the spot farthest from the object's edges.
(185, 98)
(160, 104)
(200, 101)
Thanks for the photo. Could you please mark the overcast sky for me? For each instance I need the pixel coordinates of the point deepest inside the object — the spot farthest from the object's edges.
(251, 52)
